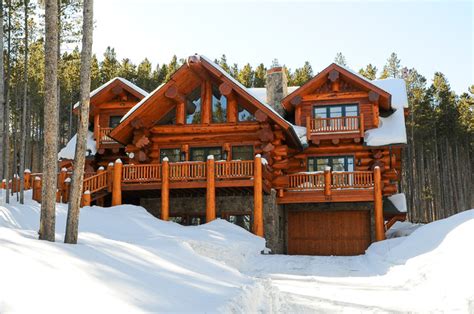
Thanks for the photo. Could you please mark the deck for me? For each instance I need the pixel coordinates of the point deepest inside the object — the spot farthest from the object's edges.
(337, 128)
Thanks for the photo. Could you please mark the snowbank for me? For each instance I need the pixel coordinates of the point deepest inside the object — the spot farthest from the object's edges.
(401, 229)
(69, 151)
(399, 201)
(391, 130)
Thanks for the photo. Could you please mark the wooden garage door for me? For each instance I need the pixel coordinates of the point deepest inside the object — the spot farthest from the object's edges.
(328, 233)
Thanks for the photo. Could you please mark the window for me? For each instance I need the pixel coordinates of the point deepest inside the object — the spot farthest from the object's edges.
(201, 153)
(172, 154)
(219, 106)
(242, 152)
(337, 163)
(193, 107)
(335, 111)
(114, 121)
(245, 115)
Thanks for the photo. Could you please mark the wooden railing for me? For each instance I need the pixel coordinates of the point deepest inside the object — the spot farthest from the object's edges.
(306, 181)
(335, 125)
(104, 136)
(96, 182)
(141, 173)
(188, 171)
(352, 180)
(234, 169)
(337, 180)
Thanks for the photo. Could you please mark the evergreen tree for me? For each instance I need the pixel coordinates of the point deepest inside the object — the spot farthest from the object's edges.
(144, 75)
(234, 71)
(289, 76)
(392, 68)
(172, 67)
(109, 67)
(159, 75)
(128, 70)
(302, 75)
(246, 75)
(223, 63)
(340, 59)
(370, 72)
(260, 75)
(95, 73)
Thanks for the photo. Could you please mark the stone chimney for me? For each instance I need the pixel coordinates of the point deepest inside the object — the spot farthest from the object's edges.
(277, 87)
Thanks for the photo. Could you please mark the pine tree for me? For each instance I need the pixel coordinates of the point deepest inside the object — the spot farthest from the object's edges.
(95, 73)
(302, 75)
(234, 71)
(128, 70)
(289, 76)
(144, 75)
(260, 76)
(172, 67)
(340, 59)
(109, 67)
(48, 199)
(79, 160)
(370, 72)
(223, 63)
(246, 75)
(3, 121)
(392, 68)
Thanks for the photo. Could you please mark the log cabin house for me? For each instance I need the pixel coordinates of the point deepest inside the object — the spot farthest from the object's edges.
(312, 169)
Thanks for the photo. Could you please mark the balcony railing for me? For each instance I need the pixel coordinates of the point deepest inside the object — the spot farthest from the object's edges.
(338, 125)
(308, 181)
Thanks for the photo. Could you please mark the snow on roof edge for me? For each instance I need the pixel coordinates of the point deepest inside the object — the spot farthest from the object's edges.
(125, 81)
(140, 103)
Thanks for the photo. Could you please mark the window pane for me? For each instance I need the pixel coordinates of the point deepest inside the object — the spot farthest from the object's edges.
(245, 115)
(114, 121)
(193, 107)
(171, 153)
(350, 164)
(335, 111)
(320, 112)
(351, 111)
(322, 163)
(242, 152)
(219, 106)
(311, 164)
(201, 153)
(338, 164)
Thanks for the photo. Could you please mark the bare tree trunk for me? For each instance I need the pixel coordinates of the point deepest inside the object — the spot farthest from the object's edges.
(79, 159)
(24, 132)
(50, 156)
(2, 100)
(6, 136)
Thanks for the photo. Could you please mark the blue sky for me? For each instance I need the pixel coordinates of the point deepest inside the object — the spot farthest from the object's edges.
(430, 36)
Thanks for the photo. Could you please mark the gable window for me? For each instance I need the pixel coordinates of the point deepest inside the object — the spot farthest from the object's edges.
(337, 163)
(172, 154)
(201, 153)
(245, 115)
(219, 106)
(169, 118)
(193, 106)
(337, 111)
(114, 121)
(242, 152)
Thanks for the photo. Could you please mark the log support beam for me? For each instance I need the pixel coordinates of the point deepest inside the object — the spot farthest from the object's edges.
(165, 189)
(210, 190)
(327, 183)
(86, 199)
(258, 197)
(117, 183)
(378, 204)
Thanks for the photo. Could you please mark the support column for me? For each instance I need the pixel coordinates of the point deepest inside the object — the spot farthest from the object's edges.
(180, 113)
(86, 199)
(210, 190)
(66, 191)
(257, 197)
(327, 182)
(62, 178)
(27, 179)
(37, 189)
(378, 204)
(165, 189)
(117, 183)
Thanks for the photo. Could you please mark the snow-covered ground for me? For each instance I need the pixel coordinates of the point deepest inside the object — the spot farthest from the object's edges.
(128, 261)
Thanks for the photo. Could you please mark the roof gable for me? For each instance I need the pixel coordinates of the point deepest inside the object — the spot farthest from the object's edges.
(351, 79)
(112, 89)
(185, 79)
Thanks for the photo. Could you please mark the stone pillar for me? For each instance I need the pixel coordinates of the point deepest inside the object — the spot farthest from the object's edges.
(277, 87)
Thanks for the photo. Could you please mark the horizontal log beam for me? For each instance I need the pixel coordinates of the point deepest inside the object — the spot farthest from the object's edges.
(330, 96)
(206, 129)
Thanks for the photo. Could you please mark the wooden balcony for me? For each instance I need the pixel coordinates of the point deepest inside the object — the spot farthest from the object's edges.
(335, 129)
(103, 140)
(327, 186)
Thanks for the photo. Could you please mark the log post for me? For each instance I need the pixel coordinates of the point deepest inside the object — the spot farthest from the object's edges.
(97, 130)
(361, 125)
(58, 195)
(117, 183)
(378, 206)
(110, 176)
(232, 108)
(37, 189)
(165, 189)
(210, 190)
(258, 197)
(86, 199)
(27, 179)
(4, 184)
(327, 182)
(67, 189)
(180, 113)
(308, 128)
(61, 179)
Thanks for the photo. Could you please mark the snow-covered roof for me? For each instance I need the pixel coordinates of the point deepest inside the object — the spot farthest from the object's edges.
(103, 86)
(69, 151)
(395, 87)
(261, 92)
(391, 130)
(399, 201)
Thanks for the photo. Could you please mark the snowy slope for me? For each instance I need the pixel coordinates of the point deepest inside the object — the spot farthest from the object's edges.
(128, 261)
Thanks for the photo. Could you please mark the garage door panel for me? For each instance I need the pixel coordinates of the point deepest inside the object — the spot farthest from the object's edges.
(328, 233)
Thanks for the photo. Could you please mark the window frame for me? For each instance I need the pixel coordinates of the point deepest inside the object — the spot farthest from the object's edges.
(242, 145)
(328, 109)
(114, 116)
(170, 148)
(330, 162)
(206, 148)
